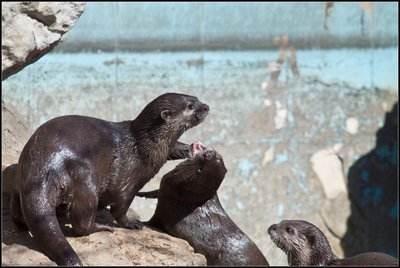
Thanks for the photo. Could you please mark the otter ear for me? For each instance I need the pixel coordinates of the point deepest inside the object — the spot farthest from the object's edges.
(166, 115)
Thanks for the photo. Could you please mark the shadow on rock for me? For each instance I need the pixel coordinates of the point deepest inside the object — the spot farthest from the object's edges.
(373, 186)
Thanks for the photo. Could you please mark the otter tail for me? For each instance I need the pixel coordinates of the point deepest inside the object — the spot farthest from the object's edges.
(38, 203)
(150, 194)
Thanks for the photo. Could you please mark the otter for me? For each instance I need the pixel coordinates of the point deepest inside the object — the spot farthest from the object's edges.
(81, 163)
(305, 244)
(188, 207)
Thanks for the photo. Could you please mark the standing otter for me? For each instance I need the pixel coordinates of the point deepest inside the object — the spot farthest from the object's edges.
(306, 245)
(188, 208)
(81, 163)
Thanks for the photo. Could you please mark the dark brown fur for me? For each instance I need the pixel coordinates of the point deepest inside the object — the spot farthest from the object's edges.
(79, 162)
(305, 245)
(188, 208)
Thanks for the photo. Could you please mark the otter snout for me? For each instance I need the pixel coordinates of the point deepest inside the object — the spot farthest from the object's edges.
(209, 154)
(202, 111)
(272, 228)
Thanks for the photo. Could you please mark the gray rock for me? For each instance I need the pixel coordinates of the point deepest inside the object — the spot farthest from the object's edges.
(122, 247)
(16, 132)
(31, 29)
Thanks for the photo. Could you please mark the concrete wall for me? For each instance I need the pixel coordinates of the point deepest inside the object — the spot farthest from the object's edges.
(289, 138)
(192, 26)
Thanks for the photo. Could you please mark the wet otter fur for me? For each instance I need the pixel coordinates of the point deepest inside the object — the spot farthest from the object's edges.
(305, 245)
(188, 207)
(81, 163)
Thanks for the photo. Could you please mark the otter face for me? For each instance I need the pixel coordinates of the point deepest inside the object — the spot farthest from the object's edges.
(287, 235)
(209, 164)
(195, 112)
(199, 177)
(186, 112)
(302, 241)
(173, 112)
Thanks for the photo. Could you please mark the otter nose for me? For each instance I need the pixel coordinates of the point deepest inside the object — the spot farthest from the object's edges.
(272, 228)
(209, 154)
(204, 108)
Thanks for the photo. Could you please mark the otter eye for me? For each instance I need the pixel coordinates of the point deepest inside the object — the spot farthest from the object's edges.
(190, 106)
(289, 230)
(199, 170)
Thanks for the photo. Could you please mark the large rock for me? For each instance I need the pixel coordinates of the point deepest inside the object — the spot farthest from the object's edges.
(16, 132)
(122, 247)
(31, 29)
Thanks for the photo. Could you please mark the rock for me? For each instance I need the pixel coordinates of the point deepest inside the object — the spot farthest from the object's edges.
(31, 29)
(328, 167)
(16, 132)
(352, 125)
(280, 116)
(268, 156)
(336, 219)
(122, 247)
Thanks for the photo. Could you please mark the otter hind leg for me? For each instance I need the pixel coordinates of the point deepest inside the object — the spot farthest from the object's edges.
(16, 212)
(83, 209)
(38, 197)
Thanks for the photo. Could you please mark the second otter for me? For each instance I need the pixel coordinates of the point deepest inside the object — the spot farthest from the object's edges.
(188, 208)
(306, 245)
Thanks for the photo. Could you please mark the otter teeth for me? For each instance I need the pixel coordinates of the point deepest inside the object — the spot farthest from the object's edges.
(197, 147)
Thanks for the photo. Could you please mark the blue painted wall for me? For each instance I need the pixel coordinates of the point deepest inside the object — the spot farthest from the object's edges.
(177, 26)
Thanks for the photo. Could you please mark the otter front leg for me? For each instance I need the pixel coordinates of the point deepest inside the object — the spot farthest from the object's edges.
(118, 211)
(180, 151)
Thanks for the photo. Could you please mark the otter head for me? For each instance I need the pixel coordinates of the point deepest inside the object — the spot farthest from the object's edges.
(198, 178)
(173, 113)
(303, 242)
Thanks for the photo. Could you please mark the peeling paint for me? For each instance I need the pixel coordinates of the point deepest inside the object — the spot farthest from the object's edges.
(280, 210)
(290, 117)
(268, 156)
(352, 125)
(329, 170)
(281, 158)
(267, 102)
(280, 116)
(239, 204)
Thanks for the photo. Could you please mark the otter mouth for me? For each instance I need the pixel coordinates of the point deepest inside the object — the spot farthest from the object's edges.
(197, 147)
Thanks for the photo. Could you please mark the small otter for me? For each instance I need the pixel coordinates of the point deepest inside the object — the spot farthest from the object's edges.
(81, 163)
(304, 244)
(188, 208)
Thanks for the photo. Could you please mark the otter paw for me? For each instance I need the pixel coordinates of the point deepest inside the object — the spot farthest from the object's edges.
(130, 224)
(102, 227)
(134, 224)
